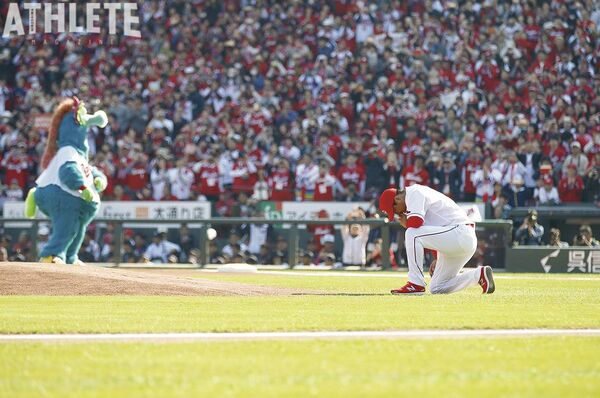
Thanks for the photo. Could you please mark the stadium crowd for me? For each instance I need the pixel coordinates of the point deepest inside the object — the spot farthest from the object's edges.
(494, 101)
(242, 101)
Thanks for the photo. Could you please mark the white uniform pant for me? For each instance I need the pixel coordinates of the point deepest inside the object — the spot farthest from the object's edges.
(455, 245)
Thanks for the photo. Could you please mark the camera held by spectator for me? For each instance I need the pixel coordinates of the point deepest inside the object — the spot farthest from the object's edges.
(585, 237)
(554, 238)
(530, 232)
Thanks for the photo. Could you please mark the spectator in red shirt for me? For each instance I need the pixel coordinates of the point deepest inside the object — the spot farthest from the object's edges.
(326, 185)
(319, 231)
(351, 173)
(410, 148)
(488, 73)
(244, 175)
(208, 179)
(280, 182)
(570, 187)
(224, 205)
(555, 152)
(16, 165)
(328, 146)
(415, 174)
(472, 164)
(137, 174)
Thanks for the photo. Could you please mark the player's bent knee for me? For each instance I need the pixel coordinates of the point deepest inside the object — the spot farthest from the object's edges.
(409, 236)
(437, 289)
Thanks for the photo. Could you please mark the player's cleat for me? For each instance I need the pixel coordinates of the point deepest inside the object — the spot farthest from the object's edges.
(52, 260)
(486, 280)
(79, 262)
(409, 289)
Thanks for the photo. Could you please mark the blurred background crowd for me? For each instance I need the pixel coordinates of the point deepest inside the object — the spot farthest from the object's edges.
(237, 101)
(493, 101)
(262, 244)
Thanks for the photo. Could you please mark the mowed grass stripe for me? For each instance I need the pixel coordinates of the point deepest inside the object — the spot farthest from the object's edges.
(533, 367)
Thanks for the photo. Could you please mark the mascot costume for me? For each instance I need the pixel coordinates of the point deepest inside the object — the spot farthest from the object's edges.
(68, 188)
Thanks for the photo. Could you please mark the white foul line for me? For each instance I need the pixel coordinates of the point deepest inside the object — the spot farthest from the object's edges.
(236, 336)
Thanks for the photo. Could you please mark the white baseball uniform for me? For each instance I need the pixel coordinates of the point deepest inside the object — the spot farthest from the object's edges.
(448, 230)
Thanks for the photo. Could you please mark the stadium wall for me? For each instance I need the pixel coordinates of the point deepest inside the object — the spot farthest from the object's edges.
(573, 260)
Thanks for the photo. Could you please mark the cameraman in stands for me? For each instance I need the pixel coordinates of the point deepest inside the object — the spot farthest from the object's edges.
(554, 238)
(530, 232)
(585, 238)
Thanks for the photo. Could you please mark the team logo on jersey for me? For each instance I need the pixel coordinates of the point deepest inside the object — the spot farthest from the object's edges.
(87, 170)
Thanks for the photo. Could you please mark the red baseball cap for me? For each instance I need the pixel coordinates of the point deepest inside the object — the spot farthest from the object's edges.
(386, 202)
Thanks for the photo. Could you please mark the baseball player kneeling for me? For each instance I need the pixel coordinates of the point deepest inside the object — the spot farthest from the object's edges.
(434, 221)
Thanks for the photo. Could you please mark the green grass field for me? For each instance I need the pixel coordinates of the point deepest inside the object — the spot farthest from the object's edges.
(552, 367)
(349, 303)
(537, 366)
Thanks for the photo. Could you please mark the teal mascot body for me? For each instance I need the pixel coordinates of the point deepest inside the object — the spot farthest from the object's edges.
(68, 188)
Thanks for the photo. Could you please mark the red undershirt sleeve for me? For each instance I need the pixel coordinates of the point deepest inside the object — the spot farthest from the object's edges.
(414, 221)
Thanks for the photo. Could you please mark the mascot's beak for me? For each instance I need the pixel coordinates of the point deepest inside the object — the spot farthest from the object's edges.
(76, 105)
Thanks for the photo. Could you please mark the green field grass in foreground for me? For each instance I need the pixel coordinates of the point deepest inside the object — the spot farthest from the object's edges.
(517, 303)
(557, 367)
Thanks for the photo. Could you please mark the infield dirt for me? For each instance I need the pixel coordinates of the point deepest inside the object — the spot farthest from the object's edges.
(67, 280)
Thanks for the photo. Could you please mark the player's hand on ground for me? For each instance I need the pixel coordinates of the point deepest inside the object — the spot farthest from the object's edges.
(432, 267)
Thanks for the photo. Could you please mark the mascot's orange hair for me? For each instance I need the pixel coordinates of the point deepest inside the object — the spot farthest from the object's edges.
(65, 107)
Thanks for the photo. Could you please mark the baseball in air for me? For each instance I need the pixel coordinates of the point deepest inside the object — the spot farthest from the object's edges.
(211, 233)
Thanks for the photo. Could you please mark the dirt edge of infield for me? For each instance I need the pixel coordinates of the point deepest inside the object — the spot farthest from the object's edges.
(38, 279)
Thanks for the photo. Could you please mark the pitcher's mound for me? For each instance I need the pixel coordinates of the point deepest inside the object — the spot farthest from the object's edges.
(58, 280)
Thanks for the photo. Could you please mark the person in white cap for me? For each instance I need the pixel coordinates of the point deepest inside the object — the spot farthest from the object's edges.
(577, 158)
(43, 233)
